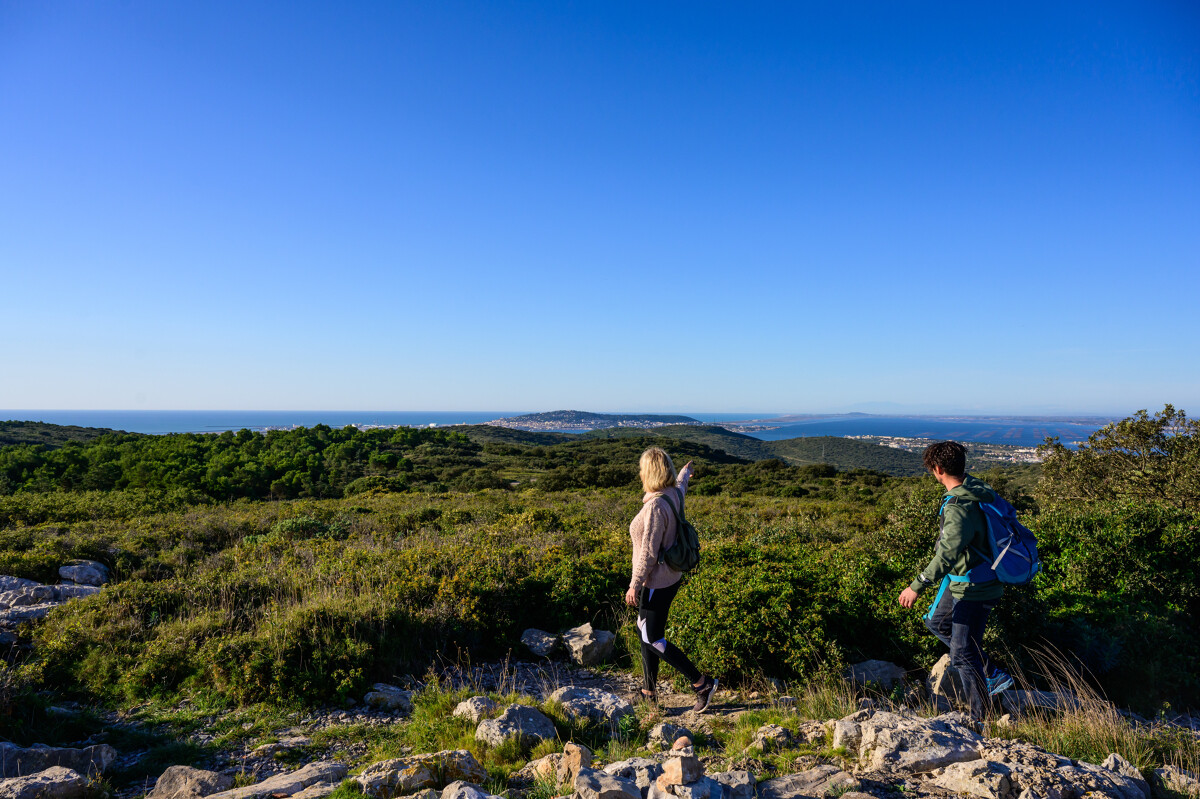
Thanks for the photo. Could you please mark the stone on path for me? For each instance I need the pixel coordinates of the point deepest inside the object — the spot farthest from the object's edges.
(288, 784)
(666, 733)
(476, 709)
(84, 572)
(389, 697)
(592, 784)
(527, 725)
(879, 672)
(89, 761)
(814, 782)
(592, 703)
(406, 775)
(55, 782)
(643, 771)
(540, 642)
(185, 782)
(976, 778)
(587, 646)
(891, 741)
(575, 758)
(736, 784)
(946, 685)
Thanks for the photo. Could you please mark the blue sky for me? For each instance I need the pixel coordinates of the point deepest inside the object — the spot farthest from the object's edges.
(606, 205)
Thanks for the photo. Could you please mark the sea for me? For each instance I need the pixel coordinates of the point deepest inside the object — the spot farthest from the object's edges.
(1015, 430)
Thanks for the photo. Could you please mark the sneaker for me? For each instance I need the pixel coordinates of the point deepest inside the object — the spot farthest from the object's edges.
(704, 695)
(999, 682)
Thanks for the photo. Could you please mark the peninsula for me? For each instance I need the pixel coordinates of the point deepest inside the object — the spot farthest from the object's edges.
(584, 420)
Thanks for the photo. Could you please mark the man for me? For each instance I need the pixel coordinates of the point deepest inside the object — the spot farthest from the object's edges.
(961, 565)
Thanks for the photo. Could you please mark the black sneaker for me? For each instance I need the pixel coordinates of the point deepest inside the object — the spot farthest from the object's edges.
(704, 695)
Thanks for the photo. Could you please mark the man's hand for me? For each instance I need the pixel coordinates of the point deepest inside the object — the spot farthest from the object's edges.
(907, 598)
(631, 597)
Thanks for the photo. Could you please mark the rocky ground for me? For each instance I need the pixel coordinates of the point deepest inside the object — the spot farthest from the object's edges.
(881, 750)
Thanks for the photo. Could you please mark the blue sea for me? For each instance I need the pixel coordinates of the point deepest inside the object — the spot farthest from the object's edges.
(1028, 431)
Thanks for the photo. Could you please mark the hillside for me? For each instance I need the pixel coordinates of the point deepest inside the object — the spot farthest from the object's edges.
(844, 453)
(49, 435)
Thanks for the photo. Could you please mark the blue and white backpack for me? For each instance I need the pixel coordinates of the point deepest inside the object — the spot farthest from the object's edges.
(1014, 548)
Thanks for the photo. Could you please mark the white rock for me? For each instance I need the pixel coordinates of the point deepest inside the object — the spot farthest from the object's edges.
(184, 782)
(878, 672)
(288, 784)
(477, 708)
(592, 703)
(89, 761)
(518, 721)
(587, 646)
(893, 741)
(55, 782)
(84, 572)
(540, 642)
(592, 784)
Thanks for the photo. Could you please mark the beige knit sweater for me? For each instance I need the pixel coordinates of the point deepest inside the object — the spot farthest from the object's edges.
(652, 531)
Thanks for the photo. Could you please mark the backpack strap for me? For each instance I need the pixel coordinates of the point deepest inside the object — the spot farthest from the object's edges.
(662, 552)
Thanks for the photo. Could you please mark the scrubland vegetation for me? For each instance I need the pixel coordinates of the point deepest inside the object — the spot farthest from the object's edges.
(436, 548)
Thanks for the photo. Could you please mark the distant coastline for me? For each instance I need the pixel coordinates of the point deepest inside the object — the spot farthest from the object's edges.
(996, 429)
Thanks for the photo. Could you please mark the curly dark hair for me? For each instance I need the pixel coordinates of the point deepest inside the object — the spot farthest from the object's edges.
(949, 456)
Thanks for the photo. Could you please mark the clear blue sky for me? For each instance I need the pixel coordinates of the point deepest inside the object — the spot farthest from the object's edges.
(600, 205)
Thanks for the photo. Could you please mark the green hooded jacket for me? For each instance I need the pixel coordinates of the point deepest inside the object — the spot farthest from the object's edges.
(962, 544)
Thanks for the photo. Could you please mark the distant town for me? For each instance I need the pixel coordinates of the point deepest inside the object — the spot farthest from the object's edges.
(999, 453)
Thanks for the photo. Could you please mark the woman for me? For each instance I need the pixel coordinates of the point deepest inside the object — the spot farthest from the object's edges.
(654, 583)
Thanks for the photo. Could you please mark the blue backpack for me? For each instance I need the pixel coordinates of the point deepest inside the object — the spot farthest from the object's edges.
(1014, 549)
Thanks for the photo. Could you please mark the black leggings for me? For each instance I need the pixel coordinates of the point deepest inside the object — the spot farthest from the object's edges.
(653, 604)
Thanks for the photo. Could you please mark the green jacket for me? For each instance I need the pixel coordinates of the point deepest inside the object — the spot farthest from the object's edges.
(962, 544)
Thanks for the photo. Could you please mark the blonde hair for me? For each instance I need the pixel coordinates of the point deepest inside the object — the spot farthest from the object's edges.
(656, 470)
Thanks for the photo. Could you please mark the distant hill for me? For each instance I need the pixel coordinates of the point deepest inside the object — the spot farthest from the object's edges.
(585, 420)
(844, 453)
(49, 435)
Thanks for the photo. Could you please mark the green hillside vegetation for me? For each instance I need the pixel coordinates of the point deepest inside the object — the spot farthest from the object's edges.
(48, 435)
(420, 545)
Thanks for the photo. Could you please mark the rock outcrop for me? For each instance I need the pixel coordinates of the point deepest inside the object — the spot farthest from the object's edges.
(521, 722)
(587, 646)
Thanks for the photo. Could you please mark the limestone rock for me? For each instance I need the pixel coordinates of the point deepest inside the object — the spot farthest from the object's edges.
(592, 703)
(288, 784)
(666, 733)
(540, 642)
(735, 784)
(771, 738)
(680, 771)
(1171, 778)
(703, 788)
(89, 761)
(544, 769)
(319, 790)
(19, 615)
(945, 684)
(878, 672)
(814, 782)
(8, 583)
(641, 770)
(55, 782)
(587, 646)
(976, 778)
(846, 735)
(810, 732)
(29, 595)
(1119, 765)
(895, 741)
(396, 776)
(518, 721)
(389, 697)
(64, 592)
(592, 784)
(84, 572)
(477, 708)
(184, 782)
(575, 758)
(426, 793)
(464, 790)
